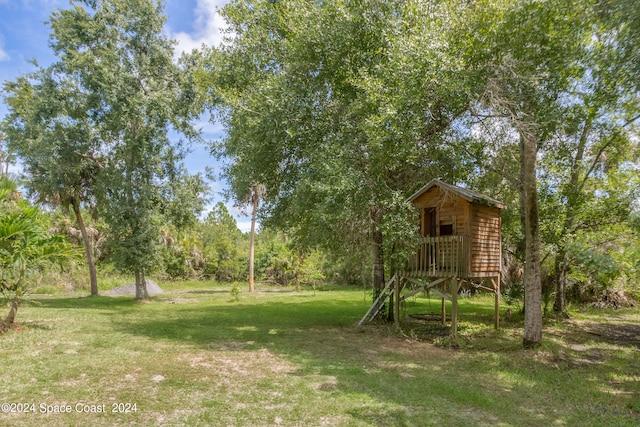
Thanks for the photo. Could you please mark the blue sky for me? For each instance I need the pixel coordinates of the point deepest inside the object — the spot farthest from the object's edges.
(24, 36)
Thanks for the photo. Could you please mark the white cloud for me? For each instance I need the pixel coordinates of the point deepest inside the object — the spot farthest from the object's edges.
(210, 129)
(208, 27)
(4, 56)
(245, 226)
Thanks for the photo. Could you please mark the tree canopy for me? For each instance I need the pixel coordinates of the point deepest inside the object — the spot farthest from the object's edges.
(343, 109)
(95, 125)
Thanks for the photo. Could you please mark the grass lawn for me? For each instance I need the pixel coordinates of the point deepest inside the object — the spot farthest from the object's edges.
(195, 356)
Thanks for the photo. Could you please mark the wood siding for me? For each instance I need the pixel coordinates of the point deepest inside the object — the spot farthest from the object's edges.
(486, 245)
(478, 224)
(450, 209)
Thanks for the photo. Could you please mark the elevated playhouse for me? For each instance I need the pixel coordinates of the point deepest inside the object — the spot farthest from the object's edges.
(461, 245)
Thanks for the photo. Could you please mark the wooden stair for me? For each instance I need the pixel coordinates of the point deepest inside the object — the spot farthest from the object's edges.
(380, 301)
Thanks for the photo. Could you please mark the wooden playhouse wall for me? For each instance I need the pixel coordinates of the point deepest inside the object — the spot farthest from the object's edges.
(485, 243)
(480, 223)
(450, 209)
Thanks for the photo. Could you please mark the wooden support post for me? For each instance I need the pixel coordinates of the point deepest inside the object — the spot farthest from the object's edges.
(454, 308)
(444, 304)
(496, 288)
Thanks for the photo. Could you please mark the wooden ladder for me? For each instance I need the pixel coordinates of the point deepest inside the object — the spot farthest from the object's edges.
(377, 305)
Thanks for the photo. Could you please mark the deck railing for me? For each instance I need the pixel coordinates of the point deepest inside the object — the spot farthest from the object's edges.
(442, 256)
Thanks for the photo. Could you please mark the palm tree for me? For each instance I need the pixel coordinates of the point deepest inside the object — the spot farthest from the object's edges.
(257, 191)
(25, 246)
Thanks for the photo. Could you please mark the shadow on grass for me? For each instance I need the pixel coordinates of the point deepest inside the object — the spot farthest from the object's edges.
(398, 381)
(620, 333)
(205, 291)
(408, 387)
(88, 302)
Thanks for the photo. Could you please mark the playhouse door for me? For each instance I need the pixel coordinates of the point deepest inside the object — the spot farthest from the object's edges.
(429, 250)
(429, 222)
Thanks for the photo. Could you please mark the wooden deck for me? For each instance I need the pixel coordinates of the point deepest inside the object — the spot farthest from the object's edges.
(443, 256)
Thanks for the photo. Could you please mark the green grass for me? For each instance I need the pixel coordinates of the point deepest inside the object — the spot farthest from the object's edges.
(195, 356)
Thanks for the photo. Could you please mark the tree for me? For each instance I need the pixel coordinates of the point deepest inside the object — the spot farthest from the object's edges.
(343, 109)
(120, 55)
(25, 247)
(224, 246)
(596, 144)
(6, 157)
(182, 199)
(50, 129)
(562, 79)
(257, 191)
(315, 97)
(526, 58)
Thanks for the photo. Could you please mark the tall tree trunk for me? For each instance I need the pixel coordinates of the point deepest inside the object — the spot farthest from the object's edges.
(252, 238)
(572, 194)
(257, 191)
(378, 258)
(532, 283)
(561, 271)
(141, 286)
(378, 261)
(88, 250)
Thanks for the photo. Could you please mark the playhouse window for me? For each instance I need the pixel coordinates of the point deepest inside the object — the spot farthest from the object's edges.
(446, 229)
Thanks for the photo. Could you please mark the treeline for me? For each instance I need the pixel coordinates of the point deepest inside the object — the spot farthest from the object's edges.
(216, 249)
(212, 248)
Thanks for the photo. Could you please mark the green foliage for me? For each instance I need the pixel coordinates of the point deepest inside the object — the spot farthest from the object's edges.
(225, 248)
(235, 292)
(175, 264)
(319, 108)
(26, 248)
(129, 95)
(274, 257)
(592, 264)
(560, 73)
(92, 128)
(311, 268)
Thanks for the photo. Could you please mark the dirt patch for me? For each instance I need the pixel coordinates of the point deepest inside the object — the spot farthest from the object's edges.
(426, 328)
(130, 289)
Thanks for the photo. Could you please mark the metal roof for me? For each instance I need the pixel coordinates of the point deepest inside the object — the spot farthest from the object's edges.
(465, 193)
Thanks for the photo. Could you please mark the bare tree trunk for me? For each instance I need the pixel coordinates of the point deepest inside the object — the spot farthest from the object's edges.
(378, 258)
(378, 261)
(252, 235)
(141, 286)
(378, 269)
(571, 193)
(561, 271)
(532, 282)
(11, 317)
(257, 191)
(88, 250)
